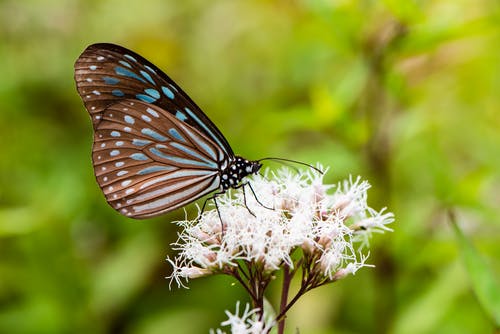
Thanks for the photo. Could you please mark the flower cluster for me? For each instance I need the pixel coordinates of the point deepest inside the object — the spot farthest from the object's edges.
(286, 221)
(281, 213)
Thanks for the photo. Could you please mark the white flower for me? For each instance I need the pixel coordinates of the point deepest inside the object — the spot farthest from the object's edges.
(247, 323)
(289, 212)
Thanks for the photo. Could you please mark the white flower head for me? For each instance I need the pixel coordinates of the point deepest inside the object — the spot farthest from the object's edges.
(247, 323)
(282, 212)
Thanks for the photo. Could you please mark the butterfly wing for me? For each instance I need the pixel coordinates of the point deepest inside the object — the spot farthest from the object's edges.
(148, 162)
(107, 73)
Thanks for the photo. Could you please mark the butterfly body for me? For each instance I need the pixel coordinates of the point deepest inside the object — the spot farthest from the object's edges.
(154, 149)
(238, 168)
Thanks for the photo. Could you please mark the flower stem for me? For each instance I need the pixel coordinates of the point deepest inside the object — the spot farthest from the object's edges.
(287, 279)
(236, 275)
(303, 289)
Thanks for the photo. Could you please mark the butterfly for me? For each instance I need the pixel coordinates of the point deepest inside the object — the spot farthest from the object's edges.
(154, 149)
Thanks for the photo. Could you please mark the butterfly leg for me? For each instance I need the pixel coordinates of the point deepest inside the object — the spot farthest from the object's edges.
(242, 186)
(214, 198)
(203, 208)
(254, 195)
(218, 213)
(257, 199)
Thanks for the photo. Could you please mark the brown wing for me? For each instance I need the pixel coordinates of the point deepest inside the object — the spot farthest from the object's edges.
(148, 162)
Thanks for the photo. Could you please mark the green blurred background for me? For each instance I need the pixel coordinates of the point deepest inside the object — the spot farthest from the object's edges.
(404, 93)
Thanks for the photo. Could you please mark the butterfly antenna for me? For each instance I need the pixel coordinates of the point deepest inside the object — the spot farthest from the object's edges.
(284, 160)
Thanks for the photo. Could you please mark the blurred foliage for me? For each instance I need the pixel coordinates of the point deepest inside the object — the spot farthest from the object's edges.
(404, 93)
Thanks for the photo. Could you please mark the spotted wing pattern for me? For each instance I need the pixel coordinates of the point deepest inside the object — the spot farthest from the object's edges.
(147, 161)
(107, 73)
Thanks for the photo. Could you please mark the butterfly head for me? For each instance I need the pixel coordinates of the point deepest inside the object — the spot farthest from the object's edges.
(237, 170)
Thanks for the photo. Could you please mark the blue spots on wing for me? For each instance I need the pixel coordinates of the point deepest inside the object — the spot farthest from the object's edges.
(152, 112)
(117, 92)
(153, 134)
(152, 169)
(124, 63)
(114, 153)
(115, 134)
(147, 76)
(110, 80)
(130, 58)
(153, 92)
(205, 127)
(150, 69)
(93, 67)
(145, 98)
(194, 154)
(179, 160)
(158, 153)
(174, 133)
(152, 96)
(141, 142)
(168, 93)
(203, 144)
(139, 156)
(129, 119)
(180, 116)
(123, 71)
